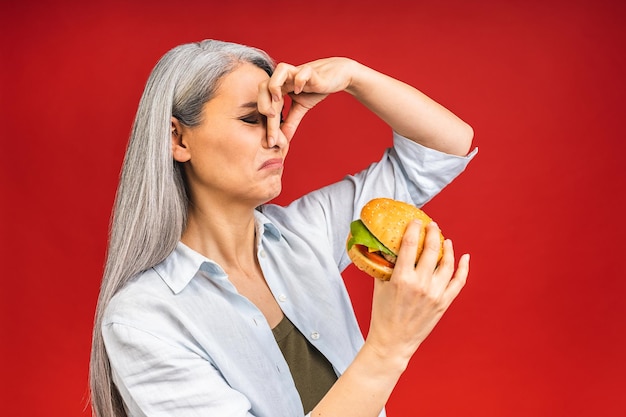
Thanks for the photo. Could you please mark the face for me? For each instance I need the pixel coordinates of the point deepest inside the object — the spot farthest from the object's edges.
(227, 156)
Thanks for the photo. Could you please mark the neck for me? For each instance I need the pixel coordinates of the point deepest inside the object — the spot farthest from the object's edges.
(223, 233)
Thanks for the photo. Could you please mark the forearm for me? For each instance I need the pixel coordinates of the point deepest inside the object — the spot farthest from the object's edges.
(405, 309)
(365, 387)
(410, 112)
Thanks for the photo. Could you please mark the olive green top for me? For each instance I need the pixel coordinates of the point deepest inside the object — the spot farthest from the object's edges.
(311, 371)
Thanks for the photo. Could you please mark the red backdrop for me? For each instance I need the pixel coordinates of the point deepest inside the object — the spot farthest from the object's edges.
(539, 329)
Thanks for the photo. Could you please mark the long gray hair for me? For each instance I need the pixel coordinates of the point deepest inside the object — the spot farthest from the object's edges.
(150, 209)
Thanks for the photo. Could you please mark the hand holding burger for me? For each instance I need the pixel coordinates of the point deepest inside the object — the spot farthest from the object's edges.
(406, 308)
(374, 239)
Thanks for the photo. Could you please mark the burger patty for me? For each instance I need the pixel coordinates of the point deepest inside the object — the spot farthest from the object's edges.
(390, 258)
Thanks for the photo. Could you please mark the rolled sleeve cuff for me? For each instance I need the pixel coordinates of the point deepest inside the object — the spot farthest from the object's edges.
(427, 170)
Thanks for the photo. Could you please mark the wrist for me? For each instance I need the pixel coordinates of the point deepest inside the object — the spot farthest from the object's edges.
(359, 76)
(390, 361)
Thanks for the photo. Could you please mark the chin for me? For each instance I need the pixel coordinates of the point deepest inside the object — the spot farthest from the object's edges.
(274, 195)
(271, 194)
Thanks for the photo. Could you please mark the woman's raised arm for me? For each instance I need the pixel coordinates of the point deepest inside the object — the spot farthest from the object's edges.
(407, 110)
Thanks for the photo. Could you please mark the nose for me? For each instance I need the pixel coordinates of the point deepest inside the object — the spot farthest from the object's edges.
(277, 140)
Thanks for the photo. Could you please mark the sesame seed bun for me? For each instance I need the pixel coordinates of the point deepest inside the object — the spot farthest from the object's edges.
(387, 220)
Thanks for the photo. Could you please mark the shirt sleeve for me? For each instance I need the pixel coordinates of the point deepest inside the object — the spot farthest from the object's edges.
(158, 379)
(425, 171)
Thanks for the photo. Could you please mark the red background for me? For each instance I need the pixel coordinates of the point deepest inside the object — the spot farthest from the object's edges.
(539, 329)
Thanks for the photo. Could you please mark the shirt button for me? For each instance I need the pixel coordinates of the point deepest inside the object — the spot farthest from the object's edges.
(315, 335)
(262, 253)
(282, 297)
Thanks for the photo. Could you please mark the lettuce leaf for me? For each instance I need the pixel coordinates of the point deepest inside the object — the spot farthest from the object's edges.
(362, 236)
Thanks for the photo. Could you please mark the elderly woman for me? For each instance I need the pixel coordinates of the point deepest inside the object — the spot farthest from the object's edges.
(215, 303)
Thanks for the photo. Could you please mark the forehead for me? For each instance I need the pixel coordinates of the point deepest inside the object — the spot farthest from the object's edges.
(242, 84)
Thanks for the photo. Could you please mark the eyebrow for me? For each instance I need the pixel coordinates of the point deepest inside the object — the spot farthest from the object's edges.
(249, 105)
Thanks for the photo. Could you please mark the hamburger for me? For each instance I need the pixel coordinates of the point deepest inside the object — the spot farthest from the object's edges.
(374, 239)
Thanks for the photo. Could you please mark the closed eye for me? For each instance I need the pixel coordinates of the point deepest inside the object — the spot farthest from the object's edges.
(253, 118)
(256, 118)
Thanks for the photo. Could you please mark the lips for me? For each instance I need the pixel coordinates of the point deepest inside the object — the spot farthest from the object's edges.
(274, 163)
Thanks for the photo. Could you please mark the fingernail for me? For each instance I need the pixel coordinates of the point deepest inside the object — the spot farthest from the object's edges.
(275, 97)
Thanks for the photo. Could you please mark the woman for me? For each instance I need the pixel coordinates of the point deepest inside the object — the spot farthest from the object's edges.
(215, 303)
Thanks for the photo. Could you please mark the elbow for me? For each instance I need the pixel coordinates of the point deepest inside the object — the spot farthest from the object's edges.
(464, 140)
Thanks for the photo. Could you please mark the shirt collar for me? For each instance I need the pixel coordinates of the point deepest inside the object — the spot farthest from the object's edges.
(265, 227)
(179, 268)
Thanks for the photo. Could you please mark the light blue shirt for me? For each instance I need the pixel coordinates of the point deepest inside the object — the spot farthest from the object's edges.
(181, 340)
